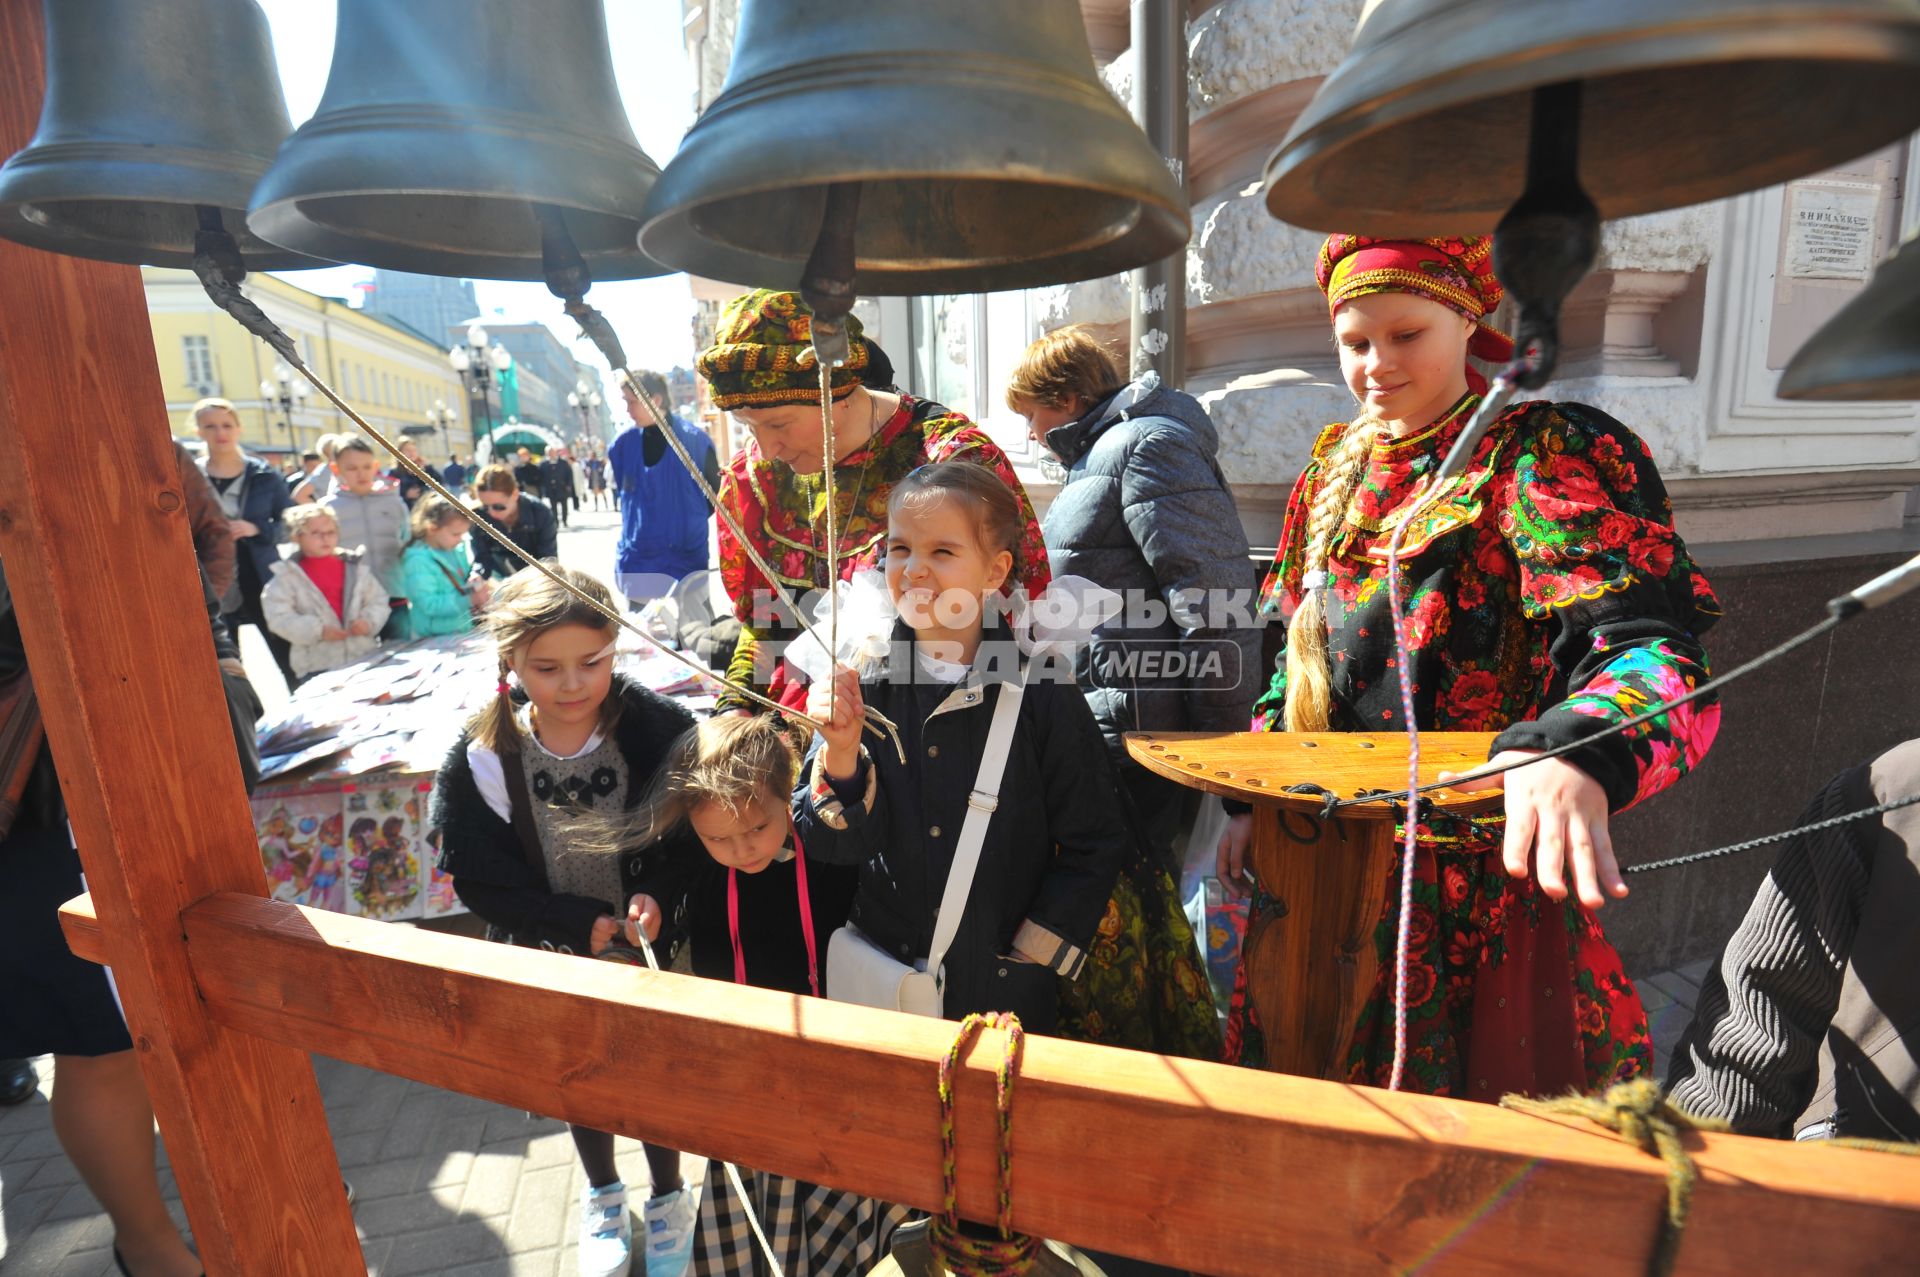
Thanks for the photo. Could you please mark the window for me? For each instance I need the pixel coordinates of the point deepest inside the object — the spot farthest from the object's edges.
(386, 390)
(360, 382)
(199, 357)
(306, 350)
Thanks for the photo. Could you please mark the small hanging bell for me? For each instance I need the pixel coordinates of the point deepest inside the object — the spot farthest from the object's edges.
(451, 136)
(1871, 348)
(986, 152)
(1421, 131)
(153, 113)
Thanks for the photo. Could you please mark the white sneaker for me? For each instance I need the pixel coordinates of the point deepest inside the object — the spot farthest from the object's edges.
(606, 1232)
(670, 1220)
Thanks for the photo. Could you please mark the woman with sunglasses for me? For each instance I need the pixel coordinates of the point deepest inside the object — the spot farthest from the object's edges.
(528, 522)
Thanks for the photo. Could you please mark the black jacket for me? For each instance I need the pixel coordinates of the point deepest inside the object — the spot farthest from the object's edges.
(556, 479)
(536, 531)
(264, 501)
(1053, 850)
(490, 871)
(692, 890)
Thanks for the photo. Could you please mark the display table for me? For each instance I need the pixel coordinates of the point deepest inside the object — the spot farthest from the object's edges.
(347, 766)
(1310, 959)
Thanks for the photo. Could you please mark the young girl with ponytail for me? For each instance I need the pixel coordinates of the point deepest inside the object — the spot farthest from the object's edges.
(571, 738)
(1547, 596)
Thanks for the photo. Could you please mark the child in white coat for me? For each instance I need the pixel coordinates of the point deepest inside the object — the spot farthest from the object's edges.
(327, 603)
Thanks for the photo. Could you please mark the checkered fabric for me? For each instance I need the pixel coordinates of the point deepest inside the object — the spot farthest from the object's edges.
(816, 1231)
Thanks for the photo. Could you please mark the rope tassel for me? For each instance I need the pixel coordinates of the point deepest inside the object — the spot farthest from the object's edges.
(964, 1255)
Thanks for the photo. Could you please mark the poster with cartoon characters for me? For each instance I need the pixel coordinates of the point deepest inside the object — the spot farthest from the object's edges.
(301, 848)
(383, 848)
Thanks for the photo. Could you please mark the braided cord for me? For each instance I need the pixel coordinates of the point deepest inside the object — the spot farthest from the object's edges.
(1011, 1254)
(1752, 843)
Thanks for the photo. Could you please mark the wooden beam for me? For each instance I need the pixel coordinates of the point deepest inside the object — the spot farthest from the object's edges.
(97, 553)
(1221, 1170)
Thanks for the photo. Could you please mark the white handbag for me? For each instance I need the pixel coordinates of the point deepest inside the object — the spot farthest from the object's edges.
(860, 971)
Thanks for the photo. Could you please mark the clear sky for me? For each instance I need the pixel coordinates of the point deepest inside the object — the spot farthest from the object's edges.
(656, 81)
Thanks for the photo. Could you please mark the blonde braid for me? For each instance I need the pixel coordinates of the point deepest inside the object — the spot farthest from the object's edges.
(1309, 682)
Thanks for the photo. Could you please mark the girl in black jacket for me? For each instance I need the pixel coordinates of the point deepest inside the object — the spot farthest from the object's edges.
(1055, 841)
(507, 804)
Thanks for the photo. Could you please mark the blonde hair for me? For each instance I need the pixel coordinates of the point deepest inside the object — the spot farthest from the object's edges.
(1062, 366)
(297, 517)
(210, 404)
(327, 445)
(1309, 681)
(729, 761)
(433, 512)
(527, 605)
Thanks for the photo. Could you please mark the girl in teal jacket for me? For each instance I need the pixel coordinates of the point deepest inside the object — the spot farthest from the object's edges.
(442, 595)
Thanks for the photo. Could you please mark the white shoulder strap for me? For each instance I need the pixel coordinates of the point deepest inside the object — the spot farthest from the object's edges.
(981, 804)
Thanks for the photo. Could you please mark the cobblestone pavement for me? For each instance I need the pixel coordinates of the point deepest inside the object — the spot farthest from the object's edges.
(443, 1183)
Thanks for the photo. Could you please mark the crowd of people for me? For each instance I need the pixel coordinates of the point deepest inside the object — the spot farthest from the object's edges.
(1004, 854)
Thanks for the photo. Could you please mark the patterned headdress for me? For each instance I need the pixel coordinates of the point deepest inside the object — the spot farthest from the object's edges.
(1457, 273)
(756, 357)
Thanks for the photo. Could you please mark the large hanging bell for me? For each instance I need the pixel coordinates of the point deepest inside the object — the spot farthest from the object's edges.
(1871, 348)
(986, 151)
(445, 131)
(153, 113)
(1422, 130)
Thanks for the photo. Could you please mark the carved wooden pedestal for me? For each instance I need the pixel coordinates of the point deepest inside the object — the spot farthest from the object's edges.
(1310, 960)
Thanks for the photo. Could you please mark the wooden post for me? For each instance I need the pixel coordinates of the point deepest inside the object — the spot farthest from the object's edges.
(94, 537)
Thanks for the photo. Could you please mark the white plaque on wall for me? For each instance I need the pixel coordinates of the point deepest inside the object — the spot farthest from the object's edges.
(1833, 230)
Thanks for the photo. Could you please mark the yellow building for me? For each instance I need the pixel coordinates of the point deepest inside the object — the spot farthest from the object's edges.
(392, 376)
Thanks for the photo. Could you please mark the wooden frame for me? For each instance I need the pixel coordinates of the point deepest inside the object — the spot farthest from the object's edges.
(1200, 1165)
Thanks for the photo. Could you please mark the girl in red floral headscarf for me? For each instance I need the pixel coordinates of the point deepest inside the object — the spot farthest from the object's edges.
(1547, 596)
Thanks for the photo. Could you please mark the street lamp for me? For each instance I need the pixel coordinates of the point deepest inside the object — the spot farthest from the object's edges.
(587, 400)
(288, 392)
(478, 366)
(441, 418)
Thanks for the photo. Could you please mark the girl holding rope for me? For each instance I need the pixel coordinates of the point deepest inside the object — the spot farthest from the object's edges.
(761, 370)
(572, 737)
(1547, 597)
(751, 910)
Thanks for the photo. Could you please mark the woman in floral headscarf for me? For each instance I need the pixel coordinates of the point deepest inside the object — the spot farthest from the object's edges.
(1547, 596)
(761, 370)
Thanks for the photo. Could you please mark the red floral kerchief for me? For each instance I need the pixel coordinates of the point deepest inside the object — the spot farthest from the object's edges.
(1457, 273)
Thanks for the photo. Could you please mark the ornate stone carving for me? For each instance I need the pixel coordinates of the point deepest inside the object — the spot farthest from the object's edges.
(1240, 47)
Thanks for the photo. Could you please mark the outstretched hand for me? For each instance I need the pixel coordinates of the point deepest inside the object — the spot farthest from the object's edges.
(1556, 817)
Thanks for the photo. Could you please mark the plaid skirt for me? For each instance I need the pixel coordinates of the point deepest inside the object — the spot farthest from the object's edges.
(816, 1231)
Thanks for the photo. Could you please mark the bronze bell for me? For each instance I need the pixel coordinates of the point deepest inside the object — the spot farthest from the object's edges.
(1871, 348)
(985, 152)
(448, 129)
(153, 112)
(1422, 130)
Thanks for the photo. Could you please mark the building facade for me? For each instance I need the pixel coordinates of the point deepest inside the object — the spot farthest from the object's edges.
(1681, 331)
(543, 368)
(431, 305)
(391, 376)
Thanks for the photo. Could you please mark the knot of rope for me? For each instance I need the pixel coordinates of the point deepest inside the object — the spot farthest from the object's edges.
(1640, 1114)
(1010, 1254)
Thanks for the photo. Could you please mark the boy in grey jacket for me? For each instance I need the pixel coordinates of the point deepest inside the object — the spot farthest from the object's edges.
(375, 523)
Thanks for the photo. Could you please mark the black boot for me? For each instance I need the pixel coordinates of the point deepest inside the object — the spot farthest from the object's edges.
(18, 1081)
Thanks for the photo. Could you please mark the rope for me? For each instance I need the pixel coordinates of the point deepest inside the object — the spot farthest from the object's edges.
(733, 1172)
(829, 459)
(1659, 711)
(1751, 843)
(1011, 1254)
(1641, 1116)
(877, 723)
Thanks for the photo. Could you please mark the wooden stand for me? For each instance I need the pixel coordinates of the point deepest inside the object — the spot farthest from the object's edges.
(1310, 961)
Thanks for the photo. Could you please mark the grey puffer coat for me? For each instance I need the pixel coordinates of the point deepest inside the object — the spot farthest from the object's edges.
(1145, 510)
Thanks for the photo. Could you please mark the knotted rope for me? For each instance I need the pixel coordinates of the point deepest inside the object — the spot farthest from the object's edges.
(1640, 1114)
(1011, 1254)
